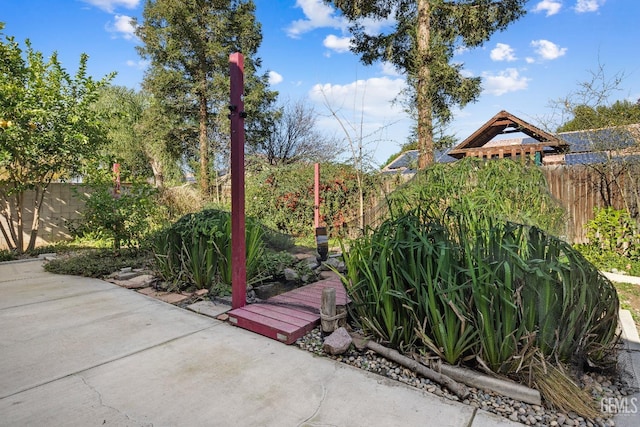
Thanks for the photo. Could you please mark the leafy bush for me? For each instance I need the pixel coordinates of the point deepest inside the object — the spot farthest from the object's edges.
(614, 231)
(196, 251)
(99, 263)
(273, 264)
(125, 220)
(283, 197)
(8, 255)
(506, 189)
(613, 241)
(473, 287)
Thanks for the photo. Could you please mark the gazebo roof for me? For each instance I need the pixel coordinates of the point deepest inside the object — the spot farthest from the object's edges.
(506, 123)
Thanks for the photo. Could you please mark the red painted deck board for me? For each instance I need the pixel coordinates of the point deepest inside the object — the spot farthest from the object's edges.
(266, 311)
(287, 317)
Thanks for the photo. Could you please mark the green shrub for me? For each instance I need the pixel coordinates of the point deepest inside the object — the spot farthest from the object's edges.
(506, 189)
(613, 241)
(614, 231)
(99, 263)
(474, 287)
(196, 251)
(273, 264)
(283, 197)
(124, 220)
(8, 255)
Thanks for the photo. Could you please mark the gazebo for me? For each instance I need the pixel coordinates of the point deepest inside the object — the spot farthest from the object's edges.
(488, 142)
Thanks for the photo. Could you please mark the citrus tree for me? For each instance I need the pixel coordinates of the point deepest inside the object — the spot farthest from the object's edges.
(47, 129)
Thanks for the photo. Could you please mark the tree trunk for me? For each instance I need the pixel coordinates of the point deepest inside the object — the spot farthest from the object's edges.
(158, 175)
(9, 232)
(204, 145)
(423, 99)
(19, 224)
(35, 223)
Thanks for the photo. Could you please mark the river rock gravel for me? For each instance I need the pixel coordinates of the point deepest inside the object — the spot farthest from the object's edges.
(601, 386)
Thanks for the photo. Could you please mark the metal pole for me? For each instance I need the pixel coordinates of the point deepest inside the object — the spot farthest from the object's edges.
(238, 243)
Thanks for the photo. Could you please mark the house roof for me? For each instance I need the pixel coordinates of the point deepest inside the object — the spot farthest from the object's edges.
(605, 139)
(505, 123)
(407, 162)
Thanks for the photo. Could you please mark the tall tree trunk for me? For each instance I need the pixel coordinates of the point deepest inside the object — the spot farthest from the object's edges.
(19, 224)
(9, 233)
(204, 145)
(423, 75)
(158, 175)
(35, 223)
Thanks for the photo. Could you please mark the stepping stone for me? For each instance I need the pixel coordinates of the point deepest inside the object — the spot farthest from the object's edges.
(208, 308)
(149, 291)
(137, 282)
(171, 298)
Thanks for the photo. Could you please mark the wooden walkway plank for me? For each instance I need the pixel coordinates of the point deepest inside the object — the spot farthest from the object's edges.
(288, 316)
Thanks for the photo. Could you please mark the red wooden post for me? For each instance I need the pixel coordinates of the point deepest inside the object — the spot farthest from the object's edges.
(238, 243)
(316, 206)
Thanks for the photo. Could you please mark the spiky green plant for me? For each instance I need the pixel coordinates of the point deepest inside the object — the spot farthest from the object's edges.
(473, 286)
(196, 250)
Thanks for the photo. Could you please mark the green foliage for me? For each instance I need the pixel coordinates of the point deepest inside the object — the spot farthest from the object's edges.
(48, 128)
(283, 197)
(273, 264)
(124, 218)
(7, 255)
(613, 241)
(99, 263)
(122, 108)
(601, 116)
(196, 251)
(469, 286)
(505, 189)
(613, 230)
(188, 43)
(422, 44)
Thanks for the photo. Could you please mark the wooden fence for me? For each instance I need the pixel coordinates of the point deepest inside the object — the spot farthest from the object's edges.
(578, 188)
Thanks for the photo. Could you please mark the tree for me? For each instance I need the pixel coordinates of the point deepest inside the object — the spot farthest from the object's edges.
(141, 139)
(422, 43)
(123, 108)
(48, 128)
(188, 43)
(610, 131)
(293, 136)
(620, 113)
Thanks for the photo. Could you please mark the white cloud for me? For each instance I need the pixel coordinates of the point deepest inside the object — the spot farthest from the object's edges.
(123, 26)
(274, 78)
(372, 97)
(388, 69)
(459, 50)
(583, 6)
(505, 81)
(548, 50)
(338, 44)
(318, 15)
(374, 26)
(530, 60)
(366, 109)
(111, 5)
(140, 64)
(502, 52)
(550, 6)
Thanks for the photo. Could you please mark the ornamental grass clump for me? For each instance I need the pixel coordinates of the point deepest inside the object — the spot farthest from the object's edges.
(196, 250)
(474, 289)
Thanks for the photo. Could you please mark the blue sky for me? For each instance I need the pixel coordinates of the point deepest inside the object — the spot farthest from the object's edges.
(539, 58)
